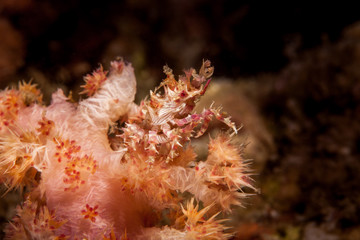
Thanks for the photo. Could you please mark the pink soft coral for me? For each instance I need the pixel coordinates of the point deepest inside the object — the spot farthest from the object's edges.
(84, 184)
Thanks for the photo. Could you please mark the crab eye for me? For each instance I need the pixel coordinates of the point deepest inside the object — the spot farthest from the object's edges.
(183, 94)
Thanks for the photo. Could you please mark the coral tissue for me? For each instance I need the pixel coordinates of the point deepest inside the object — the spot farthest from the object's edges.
(106, 168)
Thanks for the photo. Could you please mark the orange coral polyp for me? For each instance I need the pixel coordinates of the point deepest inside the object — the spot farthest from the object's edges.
(77, 170)
(65, 148)
(90, 212)
(94, 81)
(29, 93)
(10, 103)
(46, 126)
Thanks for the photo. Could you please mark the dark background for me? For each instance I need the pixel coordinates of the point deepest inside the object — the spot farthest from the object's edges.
(241, 38)
(295, 63)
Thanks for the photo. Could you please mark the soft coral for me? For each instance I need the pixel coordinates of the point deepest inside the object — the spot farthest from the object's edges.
(132, 180)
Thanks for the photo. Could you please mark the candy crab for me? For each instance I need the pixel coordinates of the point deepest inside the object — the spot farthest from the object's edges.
(85, 177)
(167, 119)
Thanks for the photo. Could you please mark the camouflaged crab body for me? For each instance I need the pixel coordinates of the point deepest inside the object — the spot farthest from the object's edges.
(168, 118)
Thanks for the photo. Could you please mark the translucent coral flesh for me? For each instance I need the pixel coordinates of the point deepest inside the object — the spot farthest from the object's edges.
(101, 189)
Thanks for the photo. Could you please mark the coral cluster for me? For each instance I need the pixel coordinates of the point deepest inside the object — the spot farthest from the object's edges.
(106, 168)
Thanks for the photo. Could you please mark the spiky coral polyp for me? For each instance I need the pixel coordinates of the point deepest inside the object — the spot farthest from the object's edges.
(18, 153)
(41, 223)
(83, 185)
(197, 227)
(94, 81)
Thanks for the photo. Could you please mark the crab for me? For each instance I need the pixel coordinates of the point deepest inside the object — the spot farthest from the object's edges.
(167, 120)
